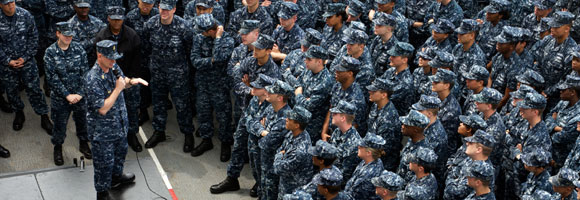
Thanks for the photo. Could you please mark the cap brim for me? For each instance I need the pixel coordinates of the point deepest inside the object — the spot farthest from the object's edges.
(328, 14)
(417, 106)
(500, 39)
(376, 181)
(392, 52)
(434, 78)
(68, 33)
(340, 68)
(115, 56)
(404, 120)
(119, 17)
(436, 29)
(283, 15)
(258, 45)
(256, 85)
(554, 180)
(463, 118)
(166, 6)
(335, 110)
(470, 139)
(83, 5)
(244, 31)
(478, 98)
(317, 180)
(203, 5)
(433, 63)
(149, 1)
(269, 89)
(491, 9)
(526, 160)
(554, 24)
(562, 86)
(7, 1)
(305, 43)
(461, 31)
(312, 151)
(372, 88)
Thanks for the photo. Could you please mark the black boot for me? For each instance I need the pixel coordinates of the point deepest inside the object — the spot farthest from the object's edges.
(226, 152)
(188, 143)
(4, 153)
(230, 184)
(254, 190)
(134, 142)
(5, 106)
(18, 120)
(156, 138)
(58, 160)
(143, 117)
(85, 149)
(118, 181)
(46, 88)
(205, 145)
(46, 124)
(103, 195)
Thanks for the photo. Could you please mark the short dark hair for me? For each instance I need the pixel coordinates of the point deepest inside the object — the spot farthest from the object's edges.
(332, 189)
(327, 161)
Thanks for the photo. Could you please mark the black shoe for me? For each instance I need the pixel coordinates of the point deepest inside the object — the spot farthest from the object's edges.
(103, 195)
(85, 149)
(5, 106)
(134, 142)
(46, 124)
(188, 143)
(254, 190)
(226, 152)
(4, 153)
(143, 117)
(230, 184)
(156, 138)
(58, 160)
(205, 145)
(18, 120)
(118, 181)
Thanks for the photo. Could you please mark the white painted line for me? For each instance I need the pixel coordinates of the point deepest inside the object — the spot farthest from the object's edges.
(158, 165)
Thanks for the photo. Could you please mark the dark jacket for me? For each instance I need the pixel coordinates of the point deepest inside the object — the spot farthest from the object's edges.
(129, 45)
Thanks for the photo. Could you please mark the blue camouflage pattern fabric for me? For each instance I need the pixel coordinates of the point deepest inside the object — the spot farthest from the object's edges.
(486, 35)
(291, 164)
(422, 188)
(463, 62)
(437, 139)
(504, 70)
(402, 29)
(535, 137)
(239, 53)
(407, 153)
(360, 185)
(378, 50)
(218, 12)
(451, 12)
(385, 122)
(170, 46)
(573, 159)
(333, 39)
(563, 142)
(86, 32)
(250, 67)
(415, 12)
(366, 71)
(99, 8)
(347, 144)
(65, 72)
(354, 95)
(486, 196)
(254, 112)
(449, 112)
(534, 183)
(496, 127)
(107, 133)
(312, 188)
(19, 39)
(241, 14)
(403, 91)
(554, 61)
(288, 41)
(56, 11)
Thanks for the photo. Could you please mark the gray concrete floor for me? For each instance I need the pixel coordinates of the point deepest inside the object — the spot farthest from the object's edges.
(190, 177)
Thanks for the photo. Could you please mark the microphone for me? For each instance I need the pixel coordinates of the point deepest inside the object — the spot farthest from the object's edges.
(116, 72)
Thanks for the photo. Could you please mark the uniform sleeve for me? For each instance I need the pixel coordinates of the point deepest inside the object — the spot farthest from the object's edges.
(222, 49)
(199, 62)
(84, 67)
(53, 79)
(189, 12)
(240, 88)
(319, 95)
(31, 39)
(275, 134)
(289, 161)
(95, 96)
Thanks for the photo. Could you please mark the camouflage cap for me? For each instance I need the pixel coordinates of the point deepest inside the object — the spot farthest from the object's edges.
(561, 18)
(531, 78)
(401, 49)
(65, 28)
(263, 42)
(415, 118)
(443, 75)
(575, 54)
(538, 194)
(384, 19)
(82, 3)
(509, 34)
(570, 82)
(427, 54)
(474, 121)
(536, 157)
(481, 170)
(116, 12)
(357, 37)
(442, 59)
(354, 25)
(317, 52)
(482, 138)
(527, 35)
(205, 3)
(249, 26)
(333, 9)
(543, 25)
(488, 95)
(344, 107)
(443, 26)
(348, 64)
(389, 180)
(380, 84)
(167, 4)
(522, 91)
(149, 1)
(288, 10)
(477, 72)
(355, 8)
(496, 6)
(280, 87)
(297, 195)
(467, 26)
(6, 1)
(533, 101)
(299, 114)
(324, 150)
(329, 177)
(384, 1)
(544, 4)
(372, 140)
(565, 177)
(426, 102)
(109, 49)
(311, 37)
(424, 156)
(262, 81)
(204, 22)
(416, 192)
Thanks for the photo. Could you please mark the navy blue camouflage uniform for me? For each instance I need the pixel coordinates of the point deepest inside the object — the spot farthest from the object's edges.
(261, 14)
(346, 142)
(360, 185)
(414, 118)
(404, 94)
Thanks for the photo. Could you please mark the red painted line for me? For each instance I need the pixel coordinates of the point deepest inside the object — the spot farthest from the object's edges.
(172, 193)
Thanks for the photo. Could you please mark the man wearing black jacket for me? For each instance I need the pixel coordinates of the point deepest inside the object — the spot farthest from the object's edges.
(128, 45)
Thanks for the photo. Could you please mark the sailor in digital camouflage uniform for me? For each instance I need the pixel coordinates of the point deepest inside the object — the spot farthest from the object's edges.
(384, 26)
(252, 11)
(505, 64)
(486, 102)
(199, 7)
(335, 17)
(496, 16)
(19, 41)
(323, 156)
(468, 126)
(475, 81)
(66, 64)
(479, 178)
(523, 46)
(329, 183)
(536, 160)
(444, 60)
(370, 149)
(537, 134)
(449, 110)
(413, 126)
(345, 137)
(564, 184)
(401, 31)
(572, 161)
(288, 34)
(297, 195)
(384, 121)
(313, 90)
(558, 120)
(421, 163)
(404, 94)
(171, 38)
(388, 184)
(542, 9)
(56, 11)
(441, 37)
(421, 81)
(447, 9)
(99, 7)
(107, 118)
(466, 53)
(86, 28)
(293, 64)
